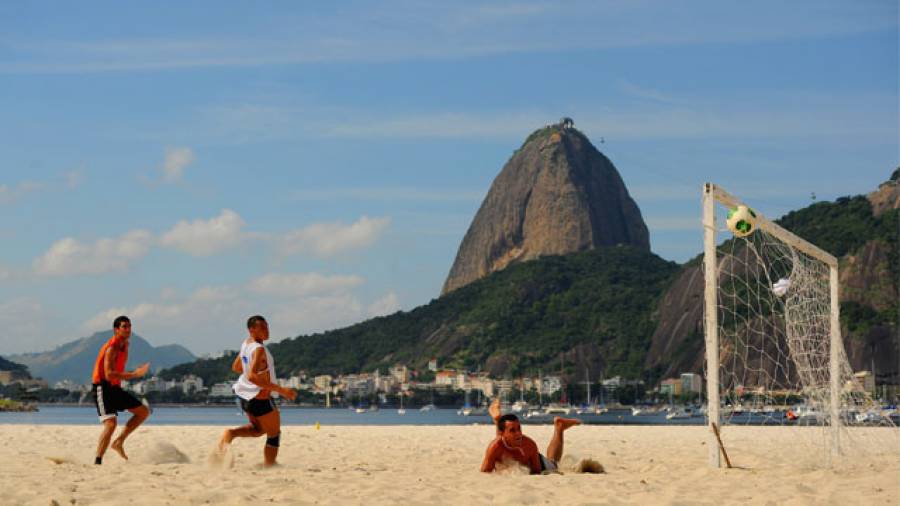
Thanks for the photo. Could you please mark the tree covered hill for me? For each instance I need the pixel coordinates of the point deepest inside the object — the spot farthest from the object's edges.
(595, 308)
(18, 370)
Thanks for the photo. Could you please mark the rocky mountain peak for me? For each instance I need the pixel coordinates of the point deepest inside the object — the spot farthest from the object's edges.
(557, 194)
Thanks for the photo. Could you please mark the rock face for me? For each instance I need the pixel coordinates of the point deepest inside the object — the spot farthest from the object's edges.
(887, 196)
(556, 195)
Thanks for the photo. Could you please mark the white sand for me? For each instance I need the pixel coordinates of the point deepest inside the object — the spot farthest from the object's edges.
(428, 465)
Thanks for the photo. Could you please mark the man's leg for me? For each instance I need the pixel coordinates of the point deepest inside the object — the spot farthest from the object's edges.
(138, 415)
(271, 426)
(109, 426)
(494, 411)
(252, 429)
(555, 448)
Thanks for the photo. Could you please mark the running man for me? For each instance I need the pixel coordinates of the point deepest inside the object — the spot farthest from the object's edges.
(109, 397)
(254, 387)
(511, 444)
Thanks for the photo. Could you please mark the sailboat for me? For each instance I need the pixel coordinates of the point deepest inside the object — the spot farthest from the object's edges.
(401, 411)
(429, 407)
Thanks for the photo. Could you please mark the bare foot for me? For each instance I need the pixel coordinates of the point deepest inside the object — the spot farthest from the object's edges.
(225, 440)
(494, 410)
(117, 447)
(562, 424)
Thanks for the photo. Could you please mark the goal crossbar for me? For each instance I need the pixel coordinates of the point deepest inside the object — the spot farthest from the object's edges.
(791, 239)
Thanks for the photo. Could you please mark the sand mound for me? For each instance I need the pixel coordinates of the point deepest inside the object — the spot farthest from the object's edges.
(61, 460)
(164, 452)
(573, 464)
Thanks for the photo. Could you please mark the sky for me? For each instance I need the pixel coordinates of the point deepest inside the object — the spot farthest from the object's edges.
(190, 164)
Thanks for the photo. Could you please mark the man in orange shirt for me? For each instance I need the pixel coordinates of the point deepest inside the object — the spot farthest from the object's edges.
(109, 397)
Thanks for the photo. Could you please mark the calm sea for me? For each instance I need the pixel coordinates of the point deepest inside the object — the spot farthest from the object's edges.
(221, 415)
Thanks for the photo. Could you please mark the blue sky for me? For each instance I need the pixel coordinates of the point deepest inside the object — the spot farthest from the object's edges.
(192, 164)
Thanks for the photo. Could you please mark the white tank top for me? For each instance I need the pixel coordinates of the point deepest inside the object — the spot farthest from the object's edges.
(244, 388)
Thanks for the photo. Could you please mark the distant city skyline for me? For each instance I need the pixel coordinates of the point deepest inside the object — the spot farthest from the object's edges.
(193, 164)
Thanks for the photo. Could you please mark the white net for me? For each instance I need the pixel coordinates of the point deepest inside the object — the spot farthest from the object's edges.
(774, 332)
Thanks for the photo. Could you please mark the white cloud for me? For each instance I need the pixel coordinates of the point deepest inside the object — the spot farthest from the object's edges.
(391, 194)
(325, 239)
(73, 178)
(203, 307)
(22, 320)
(389, 304)
(314, 314)
(643, 92)
(303, 284)
(213, 318)
(398, 32)
(177, 159)
(10, 194)
(68, 256)
(205, 237)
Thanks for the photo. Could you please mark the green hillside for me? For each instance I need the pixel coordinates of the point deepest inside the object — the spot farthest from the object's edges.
(514, 321)
(597, 308)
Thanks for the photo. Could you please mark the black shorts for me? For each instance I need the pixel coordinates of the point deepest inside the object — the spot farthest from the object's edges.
(258, 407)
(110, 399)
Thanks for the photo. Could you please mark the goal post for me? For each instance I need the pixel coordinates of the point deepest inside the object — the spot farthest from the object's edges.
(774, 347)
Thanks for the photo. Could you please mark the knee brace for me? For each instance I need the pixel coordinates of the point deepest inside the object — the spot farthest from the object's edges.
(275, 441)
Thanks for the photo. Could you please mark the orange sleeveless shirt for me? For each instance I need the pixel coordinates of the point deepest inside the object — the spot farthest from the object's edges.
(119, 366)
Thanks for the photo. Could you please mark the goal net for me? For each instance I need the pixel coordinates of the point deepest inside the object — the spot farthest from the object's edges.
(774, 349)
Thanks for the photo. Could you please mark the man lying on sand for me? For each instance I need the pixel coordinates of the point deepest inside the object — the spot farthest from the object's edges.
(511, 444)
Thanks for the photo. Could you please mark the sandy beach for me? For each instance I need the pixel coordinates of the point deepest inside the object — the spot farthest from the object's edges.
(430, 465)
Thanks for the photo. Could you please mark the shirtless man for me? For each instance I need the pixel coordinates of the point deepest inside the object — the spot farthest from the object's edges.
(109, 398)
(254, 387)
(511, 444)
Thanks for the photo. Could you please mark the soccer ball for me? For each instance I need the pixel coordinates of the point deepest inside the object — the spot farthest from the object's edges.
(741, 221)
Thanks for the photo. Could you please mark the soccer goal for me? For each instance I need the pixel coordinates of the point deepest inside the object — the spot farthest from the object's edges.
(774, 354)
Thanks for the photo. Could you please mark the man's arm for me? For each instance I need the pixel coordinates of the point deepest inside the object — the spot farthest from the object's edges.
(490, 457)
(258, 376)
(534, 457)
(111, 374)
(236, 365)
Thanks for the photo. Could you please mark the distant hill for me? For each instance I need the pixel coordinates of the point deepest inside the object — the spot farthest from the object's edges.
(20, 371)
(592, 309)
(557, 194)
(75, 360)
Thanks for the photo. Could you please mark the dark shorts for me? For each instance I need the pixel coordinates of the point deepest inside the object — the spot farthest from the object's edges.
(110, 399)
(258, 407)
(548, 465)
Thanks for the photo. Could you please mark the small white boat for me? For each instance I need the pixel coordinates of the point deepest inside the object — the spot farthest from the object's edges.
(678, 414)
(401, 411)
(557, 410)
(360, 410)
(519, 406)
(428, 407)
(534, 413)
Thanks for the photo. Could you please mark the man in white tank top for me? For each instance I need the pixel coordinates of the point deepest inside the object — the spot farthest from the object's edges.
(254, 387)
